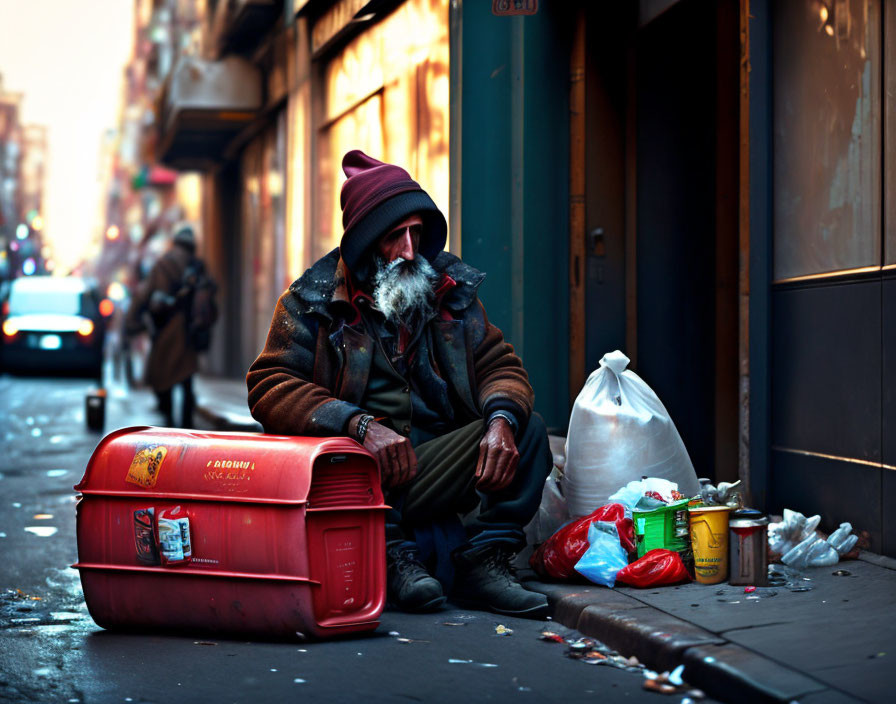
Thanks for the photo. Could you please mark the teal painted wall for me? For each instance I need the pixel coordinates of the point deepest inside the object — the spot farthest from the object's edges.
(514, 190)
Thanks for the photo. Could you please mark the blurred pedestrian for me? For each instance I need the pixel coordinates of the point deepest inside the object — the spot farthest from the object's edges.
(165, 305)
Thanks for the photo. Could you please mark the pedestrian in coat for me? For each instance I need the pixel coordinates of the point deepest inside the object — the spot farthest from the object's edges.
(161, 307)
(385, 340)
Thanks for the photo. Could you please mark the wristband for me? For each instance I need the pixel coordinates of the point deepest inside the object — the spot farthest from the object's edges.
(361, 430)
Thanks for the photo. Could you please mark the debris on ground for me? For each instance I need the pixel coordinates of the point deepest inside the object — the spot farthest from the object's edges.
(671, 683)
(519, 687)
(22, 596)
(784, 576)
(502, 630)
(459, 661)
(594, 652)
(798, 544)
(551, 636)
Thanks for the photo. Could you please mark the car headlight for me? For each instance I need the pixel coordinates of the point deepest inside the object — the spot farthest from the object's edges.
(85, 328)
(10, 329)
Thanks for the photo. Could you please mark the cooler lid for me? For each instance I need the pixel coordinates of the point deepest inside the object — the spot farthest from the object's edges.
(189, 464)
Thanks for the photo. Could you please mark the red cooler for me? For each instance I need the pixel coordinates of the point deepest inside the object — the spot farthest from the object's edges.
(231, 532)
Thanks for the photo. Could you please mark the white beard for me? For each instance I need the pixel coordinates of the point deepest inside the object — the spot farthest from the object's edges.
(404, 290)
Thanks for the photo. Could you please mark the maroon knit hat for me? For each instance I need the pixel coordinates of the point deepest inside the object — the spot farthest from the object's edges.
(377, 196)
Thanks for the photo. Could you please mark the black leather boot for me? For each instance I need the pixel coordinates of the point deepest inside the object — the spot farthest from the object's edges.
(484, 579)
(409, 586)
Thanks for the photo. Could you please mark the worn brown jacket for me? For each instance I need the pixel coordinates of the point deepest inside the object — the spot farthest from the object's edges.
(312, 374)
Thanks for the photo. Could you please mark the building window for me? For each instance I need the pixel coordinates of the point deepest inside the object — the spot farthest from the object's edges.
(264, 221)
(386, 93)
(827, 136)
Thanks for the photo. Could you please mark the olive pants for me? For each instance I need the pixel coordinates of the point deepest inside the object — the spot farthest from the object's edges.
(445, 486)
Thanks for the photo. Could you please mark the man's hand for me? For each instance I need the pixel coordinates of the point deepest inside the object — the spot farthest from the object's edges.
(498, 457)
(393, 452)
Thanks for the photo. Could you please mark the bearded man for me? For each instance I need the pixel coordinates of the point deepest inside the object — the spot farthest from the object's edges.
(385, 340)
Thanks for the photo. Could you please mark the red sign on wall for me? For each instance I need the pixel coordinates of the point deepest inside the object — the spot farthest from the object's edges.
(514, 7)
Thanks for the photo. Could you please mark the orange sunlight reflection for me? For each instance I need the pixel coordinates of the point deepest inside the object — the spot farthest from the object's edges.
(387, 94)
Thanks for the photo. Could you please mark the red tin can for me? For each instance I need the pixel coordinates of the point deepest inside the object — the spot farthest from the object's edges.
(748, 544)
(285, 534)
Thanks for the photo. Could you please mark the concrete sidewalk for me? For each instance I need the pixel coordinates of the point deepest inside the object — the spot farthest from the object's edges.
(823, 638)
(222, 404)
(835, 642)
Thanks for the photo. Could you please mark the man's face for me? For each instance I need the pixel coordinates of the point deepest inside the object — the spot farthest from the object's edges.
(403, 240)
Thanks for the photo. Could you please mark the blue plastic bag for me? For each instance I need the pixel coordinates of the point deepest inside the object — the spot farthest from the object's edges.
(604, 556)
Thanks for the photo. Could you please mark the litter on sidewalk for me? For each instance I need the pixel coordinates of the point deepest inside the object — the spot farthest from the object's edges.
(651, 537)
(666, 528)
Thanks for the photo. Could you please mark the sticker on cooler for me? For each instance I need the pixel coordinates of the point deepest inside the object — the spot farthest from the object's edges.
(144, 538)
(172, 533)
(144, 469)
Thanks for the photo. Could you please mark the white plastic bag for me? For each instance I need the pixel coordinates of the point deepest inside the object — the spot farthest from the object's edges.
(619, 431)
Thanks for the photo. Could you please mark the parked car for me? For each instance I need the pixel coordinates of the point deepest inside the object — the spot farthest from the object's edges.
(53, 323)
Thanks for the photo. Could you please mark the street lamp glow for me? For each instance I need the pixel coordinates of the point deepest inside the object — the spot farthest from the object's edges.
(22, 231)
(112, 232)
(28, 267)
(116, 291)
(38, 223)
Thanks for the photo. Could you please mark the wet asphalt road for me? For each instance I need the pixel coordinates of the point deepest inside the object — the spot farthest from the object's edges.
(51, 651)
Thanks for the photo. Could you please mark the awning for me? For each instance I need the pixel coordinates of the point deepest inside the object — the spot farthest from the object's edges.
(203, 106)
(154, 175)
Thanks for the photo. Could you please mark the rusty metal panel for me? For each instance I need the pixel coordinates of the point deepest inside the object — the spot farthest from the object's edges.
(827, 143)
(889, 257)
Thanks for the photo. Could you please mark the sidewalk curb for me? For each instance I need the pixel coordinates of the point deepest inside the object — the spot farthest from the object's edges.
(722, 669)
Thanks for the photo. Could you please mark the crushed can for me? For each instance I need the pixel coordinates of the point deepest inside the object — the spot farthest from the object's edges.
(748, 546)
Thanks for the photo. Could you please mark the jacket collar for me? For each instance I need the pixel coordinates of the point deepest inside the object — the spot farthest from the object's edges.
(323, 289)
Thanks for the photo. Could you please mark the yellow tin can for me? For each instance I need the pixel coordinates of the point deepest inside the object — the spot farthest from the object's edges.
(709, 541)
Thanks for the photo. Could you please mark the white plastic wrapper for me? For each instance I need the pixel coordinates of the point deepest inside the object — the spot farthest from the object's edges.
(620, 431)
(800, 546)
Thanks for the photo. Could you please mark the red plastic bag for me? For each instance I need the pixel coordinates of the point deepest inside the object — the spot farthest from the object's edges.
(558, 554)
(657, 568)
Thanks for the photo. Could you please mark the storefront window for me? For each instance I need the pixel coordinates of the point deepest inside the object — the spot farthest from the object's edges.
(827, 145)
(264, 222)
(387, 94)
